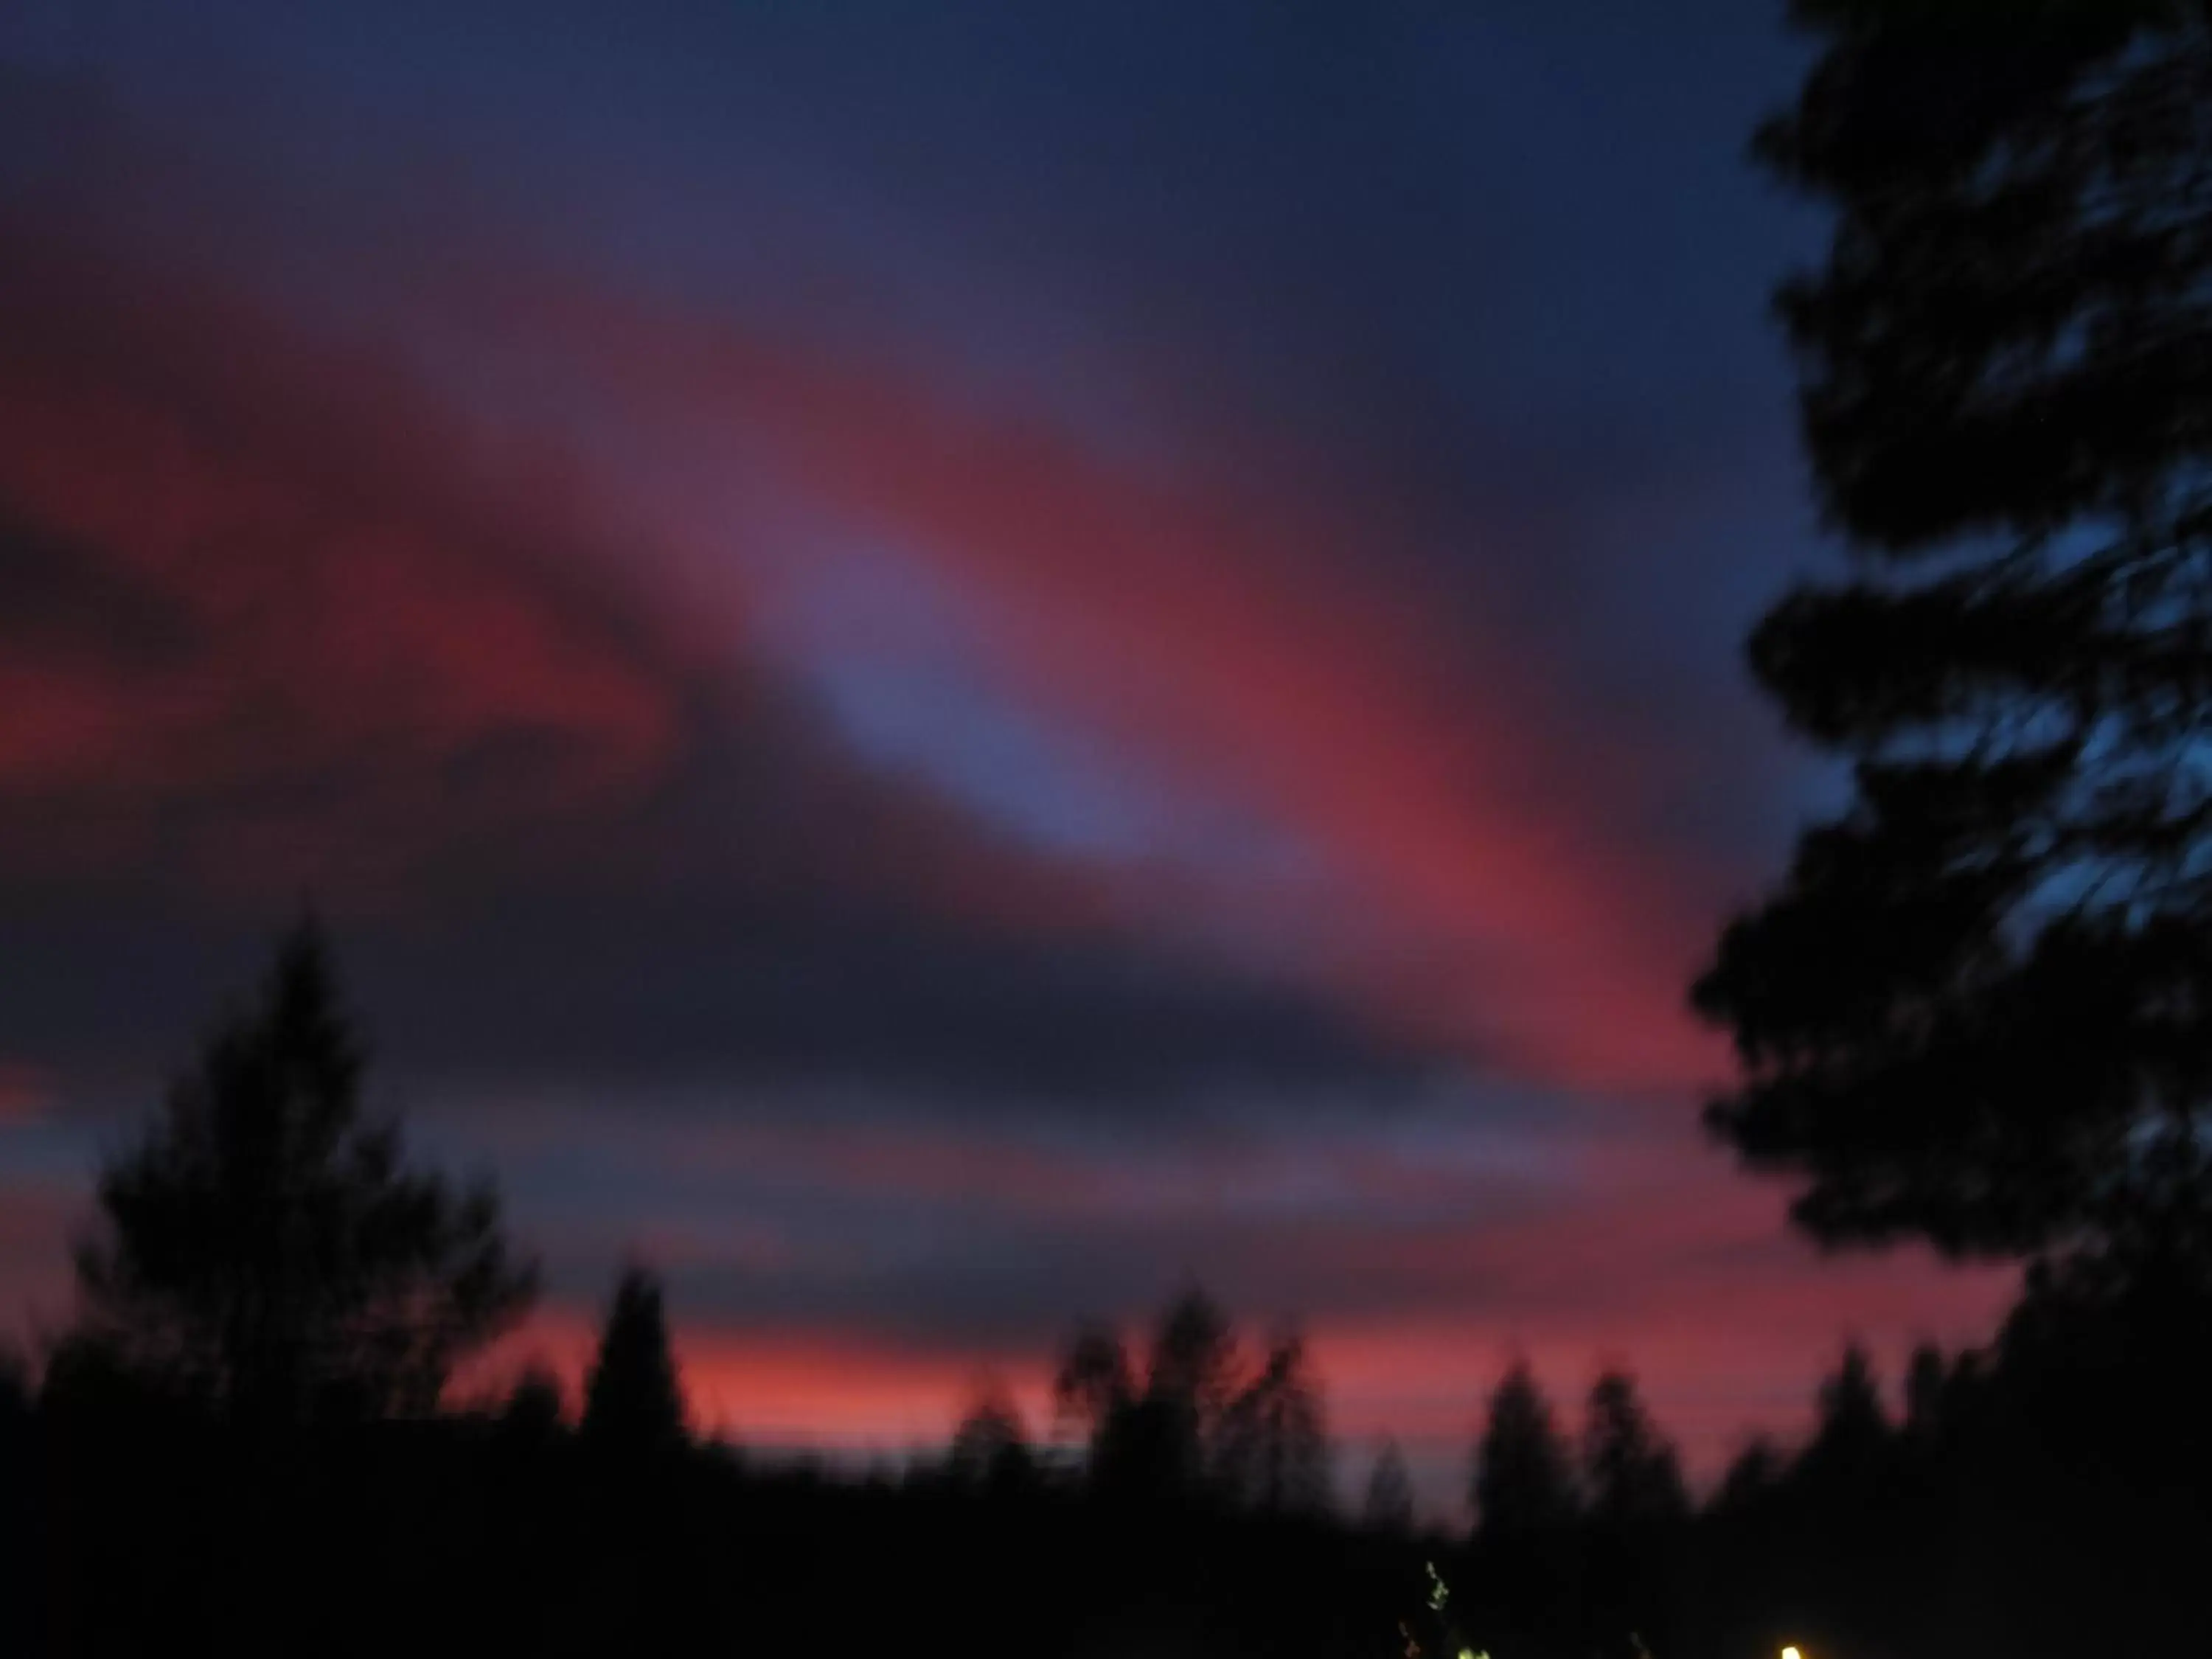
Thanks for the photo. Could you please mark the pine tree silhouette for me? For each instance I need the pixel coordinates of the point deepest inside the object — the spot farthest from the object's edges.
(633, 1401)
(1524, 1481)
(266, 1251)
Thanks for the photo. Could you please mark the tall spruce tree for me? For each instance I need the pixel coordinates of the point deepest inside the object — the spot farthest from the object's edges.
(1979, 1008)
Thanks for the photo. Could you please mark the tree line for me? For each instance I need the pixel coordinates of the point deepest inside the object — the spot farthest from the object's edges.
(275, 1300)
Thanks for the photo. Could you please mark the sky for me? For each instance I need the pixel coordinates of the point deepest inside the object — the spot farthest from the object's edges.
(943, 668)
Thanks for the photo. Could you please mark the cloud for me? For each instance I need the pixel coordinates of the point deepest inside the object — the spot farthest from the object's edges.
(343, 631)
(1477, 886)
(1473, 876)
(283, 618)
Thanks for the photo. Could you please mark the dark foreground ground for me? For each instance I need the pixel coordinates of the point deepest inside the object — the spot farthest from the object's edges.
(469, 1538)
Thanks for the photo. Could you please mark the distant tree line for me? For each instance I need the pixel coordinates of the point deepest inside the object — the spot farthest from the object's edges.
(1197, 1422)
(251, 1430)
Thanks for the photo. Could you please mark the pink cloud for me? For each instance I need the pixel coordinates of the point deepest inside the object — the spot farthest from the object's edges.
(370, 634)
(343, 587)
(1481, 887)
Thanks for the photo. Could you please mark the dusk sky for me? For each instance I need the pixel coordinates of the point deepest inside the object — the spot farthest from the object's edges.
(943, 666)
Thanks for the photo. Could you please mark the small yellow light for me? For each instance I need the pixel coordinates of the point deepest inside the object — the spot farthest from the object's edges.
(1792, 1653)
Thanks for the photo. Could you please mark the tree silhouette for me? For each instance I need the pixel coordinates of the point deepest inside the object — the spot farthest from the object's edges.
(1094, 1388)
(1630, 1471)
(633, 1402)
(534, 1407)
(1851, 1418)
(1197, 1427)
(990, 1448)
(1752, 1475)
(1157, 1442)
(1636, 1506)
(1926, 1379)
(1523, 1480)
(1981, 997)
(265, 1250)
(1273, 1453)
(1093, 1381)
(1194, 1360)
(1388, 1505)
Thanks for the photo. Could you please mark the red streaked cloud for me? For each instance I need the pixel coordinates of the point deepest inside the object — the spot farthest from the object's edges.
(285, 618)
(283, 615)
(1480, 885)
(338, 626)
(1476, 889)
